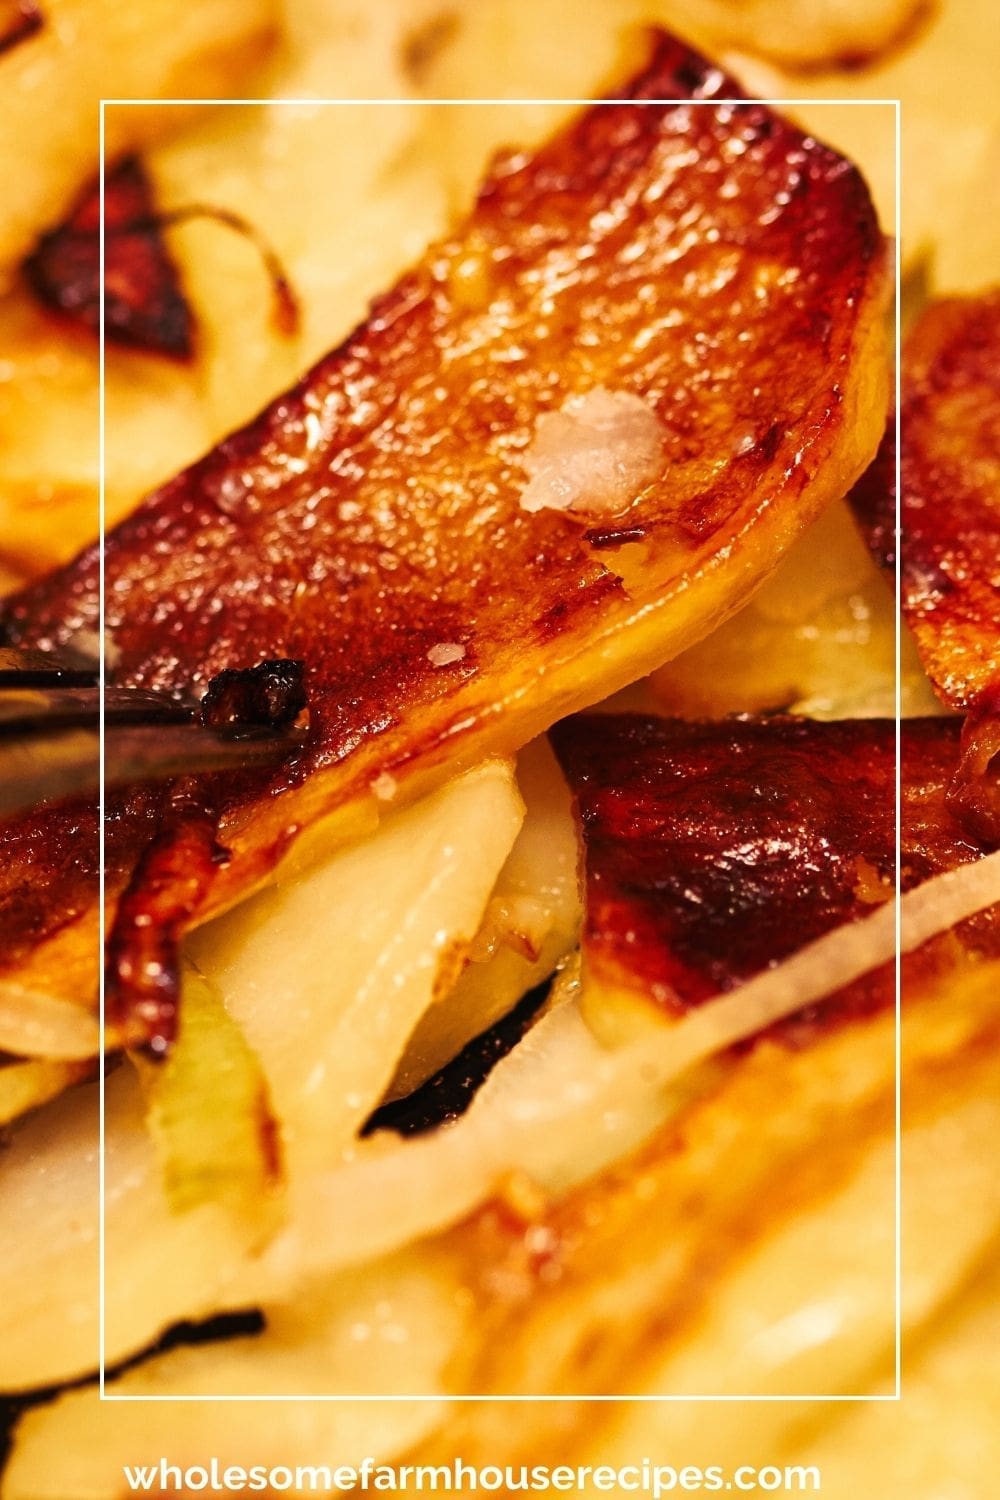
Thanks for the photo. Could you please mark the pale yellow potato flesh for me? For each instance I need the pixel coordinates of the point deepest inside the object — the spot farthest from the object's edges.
(327, 1005)
(818, 638)
(327, 973)
(531, 924)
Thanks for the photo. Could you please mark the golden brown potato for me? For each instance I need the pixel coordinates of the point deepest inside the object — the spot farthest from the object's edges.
(379, 505)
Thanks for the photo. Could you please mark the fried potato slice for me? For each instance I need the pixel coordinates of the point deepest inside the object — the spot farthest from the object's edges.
(710, 264)
(949, 522)
(87, 50)
(713, 851)
(949, 505)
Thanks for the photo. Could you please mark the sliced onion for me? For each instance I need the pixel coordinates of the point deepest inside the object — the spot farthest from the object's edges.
(26, 1085)
(560, 1106)
(209, 1112)
(36, 1025)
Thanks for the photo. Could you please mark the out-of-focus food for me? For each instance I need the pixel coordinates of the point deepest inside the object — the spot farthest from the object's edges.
(143, 301)
(87, 50)
(946, 151)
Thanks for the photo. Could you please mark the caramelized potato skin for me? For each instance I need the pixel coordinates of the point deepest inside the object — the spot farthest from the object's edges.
(950, 500)
(949, 504)
(713, 850)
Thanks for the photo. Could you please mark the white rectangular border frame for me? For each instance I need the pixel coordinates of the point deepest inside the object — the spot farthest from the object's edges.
(891, 1396)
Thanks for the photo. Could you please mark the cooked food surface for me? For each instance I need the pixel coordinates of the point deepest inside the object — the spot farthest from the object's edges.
(19, 20)
(144, 304)
(708, 260)
(817, 639)
(566, 448)
(948, 54)
(53, 80)
(949, 505)
(713, 850)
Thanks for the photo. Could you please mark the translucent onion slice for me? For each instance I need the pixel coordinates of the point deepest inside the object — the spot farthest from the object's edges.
(530, 924)
(36, 1025)
(26, 1085)
(560, 1106)
(329, 971)
(209, 1111)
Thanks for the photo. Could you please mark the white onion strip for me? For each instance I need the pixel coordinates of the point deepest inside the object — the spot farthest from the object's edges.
(35, 1025)
(560, 1106)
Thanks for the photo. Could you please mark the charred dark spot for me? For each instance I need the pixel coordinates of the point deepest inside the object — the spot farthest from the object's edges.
(19, 20)
(614, 536)
(268, 696)
(144, 306)
(448, 1094)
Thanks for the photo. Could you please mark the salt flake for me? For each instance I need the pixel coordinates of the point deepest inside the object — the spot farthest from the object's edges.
(594, 455)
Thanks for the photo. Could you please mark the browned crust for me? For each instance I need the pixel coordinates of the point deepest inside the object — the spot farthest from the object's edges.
(19, 20)
(713, 850)
(950, 496)
(949, 504)
(373, 512)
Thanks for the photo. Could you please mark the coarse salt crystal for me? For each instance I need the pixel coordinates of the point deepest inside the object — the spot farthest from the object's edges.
(384, 786)
(445, 654)
(594, 455)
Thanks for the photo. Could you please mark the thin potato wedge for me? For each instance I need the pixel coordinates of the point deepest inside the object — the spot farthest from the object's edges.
(720, 271)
